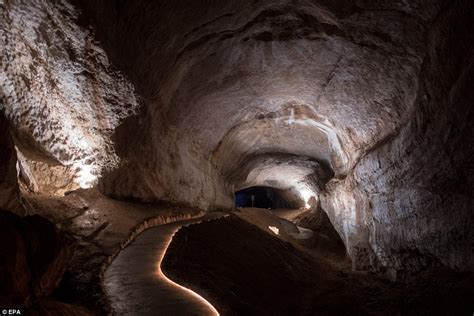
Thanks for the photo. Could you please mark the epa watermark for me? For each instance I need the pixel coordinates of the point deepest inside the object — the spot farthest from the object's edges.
(11, 311)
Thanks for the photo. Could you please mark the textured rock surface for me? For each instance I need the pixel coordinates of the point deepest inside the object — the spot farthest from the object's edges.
(242, 80)
(296, 178)
(9, 191)
(38, 176)
(408, 203)
(58, 88)
(103, 228)
(326, 239)
(282, 93)
(33, 258)
(367, 88)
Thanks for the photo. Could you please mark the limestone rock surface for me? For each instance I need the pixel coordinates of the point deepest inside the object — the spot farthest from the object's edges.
(58, 88)
(408, 203)
(223, 84)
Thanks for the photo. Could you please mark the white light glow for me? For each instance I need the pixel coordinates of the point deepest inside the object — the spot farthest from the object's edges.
(306, 194)
(274, 229)
(85, 178)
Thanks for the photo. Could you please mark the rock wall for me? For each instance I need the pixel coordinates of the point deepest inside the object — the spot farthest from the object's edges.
(9, 191)
(38, 176)
(58, 88)
(225, 83)
(368, 88)
(408, 203)
(281, 93)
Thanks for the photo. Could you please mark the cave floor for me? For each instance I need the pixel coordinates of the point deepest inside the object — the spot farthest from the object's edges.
(253, 270)
(332, 253)
(135, 284)
(101, 225)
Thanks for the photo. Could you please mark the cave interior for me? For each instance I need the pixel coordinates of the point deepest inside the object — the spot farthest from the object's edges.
(271, 157)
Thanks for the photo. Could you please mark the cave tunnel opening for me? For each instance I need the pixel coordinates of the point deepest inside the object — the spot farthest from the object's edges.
(260, 197)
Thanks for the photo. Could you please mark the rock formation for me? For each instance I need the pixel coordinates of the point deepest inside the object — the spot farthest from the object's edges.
(373, 94)
(59, 90)
(408, 202)
(362, 107)
(9, 191)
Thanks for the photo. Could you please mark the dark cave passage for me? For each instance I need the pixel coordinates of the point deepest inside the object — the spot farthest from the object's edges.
(261, 197)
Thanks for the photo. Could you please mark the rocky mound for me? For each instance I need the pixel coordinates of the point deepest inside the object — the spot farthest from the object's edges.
(244, 270)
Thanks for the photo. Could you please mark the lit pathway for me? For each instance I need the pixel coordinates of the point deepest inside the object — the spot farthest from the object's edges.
(135, 284)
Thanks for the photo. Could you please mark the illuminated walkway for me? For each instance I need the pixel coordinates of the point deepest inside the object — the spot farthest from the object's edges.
(135, 284)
